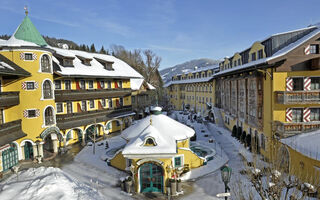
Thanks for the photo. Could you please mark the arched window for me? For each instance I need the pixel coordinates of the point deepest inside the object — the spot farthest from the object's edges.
(45, 64)
(48, 114)
(47, 90)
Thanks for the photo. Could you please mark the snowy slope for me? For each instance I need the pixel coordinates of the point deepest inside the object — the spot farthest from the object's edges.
(167, 73)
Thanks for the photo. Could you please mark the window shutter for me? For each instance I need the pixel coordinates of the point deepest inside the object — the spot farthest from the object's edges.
(306, 114)
(289, 115)
(77, 85)
(307, 83)
(289, 84)
(116, 84)
(98, 84)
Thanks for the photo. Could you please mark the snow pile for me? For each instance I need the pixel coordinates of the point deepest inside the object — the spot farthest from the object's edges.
(45, 183)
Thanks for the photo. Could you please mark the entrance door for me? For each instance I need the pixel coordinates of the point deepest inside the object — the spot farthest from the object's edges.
(10, 157)
(151, 178)
(28, 151)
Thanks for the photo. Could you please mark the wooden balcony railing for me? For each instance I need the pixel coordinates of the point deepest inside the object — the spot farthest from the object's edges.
(284, 129)
(66, 121)
(8, 99)
(10, 132)
(298, 97)
(78, 95)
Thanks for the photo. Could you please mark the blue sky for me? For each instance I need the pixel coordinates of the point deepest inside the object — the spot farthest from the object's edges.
(177, 30)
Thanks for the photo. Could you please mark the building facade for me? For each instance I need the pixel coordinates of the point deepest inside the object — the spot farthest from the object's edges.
(192, 91)
(52, 97)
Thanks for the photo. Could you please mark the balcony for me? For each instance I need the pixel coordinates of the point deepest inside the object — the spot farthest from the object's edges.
(289, 129)
(78, 95)
(10, 132)
(8, 99)
(298, 97)
(66, 121)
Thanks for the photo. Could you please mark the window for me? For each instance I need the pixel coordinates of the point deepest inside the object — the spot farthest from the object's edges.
(102, 84)
(110, 103)
(178, 162)
(67, 84)
(297, 84)
(133, 99)
(121, 102)
(59, 107)
(32, 113)
(28, 56)
(108, 66)
(48, 114)
(239, 62)
(234, 63)
(30, 86)
(315, 83)
(103, 102)
(91, 103)
(117, 123)
(260, 54)
(84, 105)
(297, 115)
(120, 84)
(253, 56)
(263, 144)
(45, 64)
(67, 62)
(83, 84)
(150, 142)
(90, 83)
(69, 107)
(315, 114)
(57, 84)
(314, 49)
(109, 85)
(47, 91)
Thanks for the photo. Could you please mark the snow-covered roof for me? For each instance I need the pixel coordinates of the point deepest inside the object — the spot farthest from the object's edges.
(96, 69)
(196, 80)
(162, 128)
(201, 69)
(136, 84)
(9, 68)
(307, 144)
(278, 54)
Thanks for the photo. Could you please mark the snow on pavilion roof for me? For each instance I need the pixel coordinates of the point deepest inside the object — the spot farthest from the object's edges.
(164, 130)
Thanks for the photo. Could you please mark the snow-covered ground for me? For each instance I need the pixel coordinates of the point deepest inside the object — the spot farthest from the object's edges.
(46, 184)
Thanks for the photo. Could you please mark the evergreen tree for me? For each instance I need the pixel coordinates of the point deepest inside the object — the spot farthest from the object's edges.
(87, 48)
(92, 48)
(102, 50)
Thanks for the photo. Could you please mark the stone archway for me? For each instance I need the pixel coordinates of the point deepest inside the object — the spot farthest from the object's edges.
(75, 134)
(108, 125)
(51, 138)
(28, 151)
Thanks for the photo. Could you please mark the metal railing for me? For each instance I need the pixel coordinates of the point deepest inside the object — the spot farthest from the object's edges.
(9, 99)
(298, 97)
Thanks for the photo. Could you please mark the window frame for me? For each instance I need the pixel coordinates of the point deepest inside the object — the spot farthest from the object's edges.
(49, 64)
(181, 156)
(61, 104)
(25, 56)
(90, 87)
(69, 83)
(91, 104)
(33, 82)
(55, 84)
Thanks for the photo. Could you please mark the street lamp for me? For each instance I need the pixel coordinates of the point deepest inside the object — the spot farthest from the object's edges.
(226, 175)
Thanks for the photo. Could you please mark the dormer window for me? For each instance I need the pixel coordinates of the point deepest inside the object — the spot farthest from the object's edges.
(67, 62)
(85, 61)
(107, 65)
(260, 54)
(149, 141)
(253, 56)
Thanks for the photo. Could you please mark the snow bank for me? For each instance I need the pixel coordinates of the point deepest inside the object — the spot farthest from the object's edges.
(45, 183)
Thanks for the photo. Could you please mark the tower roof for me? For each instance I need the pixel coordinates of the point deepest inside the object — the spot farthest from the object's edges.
(29, 33)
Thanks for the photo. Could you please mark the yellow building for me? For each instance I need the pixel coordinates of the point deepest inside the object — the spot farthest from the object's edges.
(143, 96)
(193, 91)
(157, 149)
(269, 93)
(53, 97)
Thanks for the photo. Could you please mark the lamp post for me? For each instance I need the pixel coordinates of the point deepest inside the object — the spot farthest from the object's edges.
(226, 175)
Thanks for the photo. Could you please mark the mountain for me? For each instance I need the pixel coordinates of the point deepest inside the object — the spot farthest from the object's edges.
(167, 73)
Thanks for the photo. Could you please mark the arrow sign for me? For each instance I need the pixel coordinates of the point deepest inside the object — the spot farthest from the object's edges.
(227, 194)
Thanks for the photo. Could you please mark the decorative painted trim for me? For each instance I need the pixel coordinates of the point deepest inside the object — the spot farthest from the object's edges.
(307, 83)
(24, 85)
(144, 160)
(25, 113)
(289, 115)
(306, 114)
(289, 84)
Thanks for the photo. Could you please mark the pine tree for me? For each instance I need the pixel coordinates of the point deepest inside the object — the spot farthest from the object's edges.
(92, 48)
(102, 50)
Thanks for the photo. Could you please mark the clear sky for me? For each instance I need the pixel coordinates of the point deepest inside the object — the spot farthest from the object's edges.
(177, 30)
